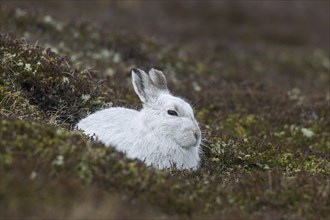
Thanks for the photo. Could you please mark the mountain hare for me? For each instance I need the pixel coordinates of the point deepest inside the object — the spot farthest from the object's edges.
(164, 133)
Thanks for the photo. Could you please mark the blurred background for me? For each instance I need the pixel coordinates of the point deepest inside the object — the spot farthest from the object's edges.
(207, 24)
(281, 42)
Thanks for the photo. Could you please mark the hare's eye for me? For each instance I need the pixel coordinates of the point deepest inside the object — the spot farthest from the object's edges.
(172, 112)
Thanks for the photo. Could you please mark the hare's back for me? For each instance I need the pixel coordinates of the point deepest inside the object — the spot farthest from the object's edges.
(107, 120)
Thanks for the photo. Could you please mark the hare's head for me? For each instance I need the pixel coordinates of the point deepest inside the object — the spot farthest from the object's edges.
(164, 114)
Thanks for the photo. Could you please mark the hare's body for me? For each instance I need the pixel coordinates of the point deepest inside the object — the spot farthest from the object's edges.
(108, 125)
(135, 141)
(154, 134)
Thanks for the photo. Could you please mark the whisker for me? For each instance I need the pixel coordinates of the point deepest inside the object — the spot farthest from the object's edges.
(205, 145)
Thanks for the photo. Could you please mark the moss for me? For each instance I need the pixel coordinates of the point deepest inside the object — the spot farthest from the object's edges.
(67, 155)
(243, 126)
(34, 77)
(56, 163)
(249, 144)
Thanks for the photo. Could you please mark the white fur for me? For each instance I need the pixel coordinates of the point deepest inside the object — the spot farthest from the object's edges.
(151, 134)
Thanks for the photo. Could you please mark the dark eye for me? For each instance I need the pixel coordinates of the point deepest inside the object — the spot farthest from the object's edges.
(171, 112)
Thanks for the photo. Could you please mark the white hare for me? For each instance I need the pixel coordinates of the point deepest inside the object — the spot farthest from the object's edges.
(164, 133)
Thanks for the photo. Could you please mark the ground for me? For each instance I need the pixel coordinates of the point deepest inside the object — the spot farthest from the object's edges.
(257, 75)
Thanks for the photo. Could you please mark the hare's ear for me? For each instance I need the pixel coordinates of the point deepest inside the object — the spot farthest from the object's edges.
(140, 81)
(148, 87)
(158, 79)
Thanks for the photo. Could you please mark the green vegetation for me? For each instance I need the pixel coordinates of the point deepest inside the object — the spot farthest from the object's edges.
(266, 137)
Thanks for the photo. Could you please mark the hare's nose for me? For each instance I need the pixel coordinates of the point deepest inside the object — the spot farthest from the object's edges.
(197, 134)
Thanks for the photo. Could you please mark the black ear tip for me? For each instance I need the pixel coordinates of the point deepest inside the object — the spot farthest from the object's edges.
(135, 70)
